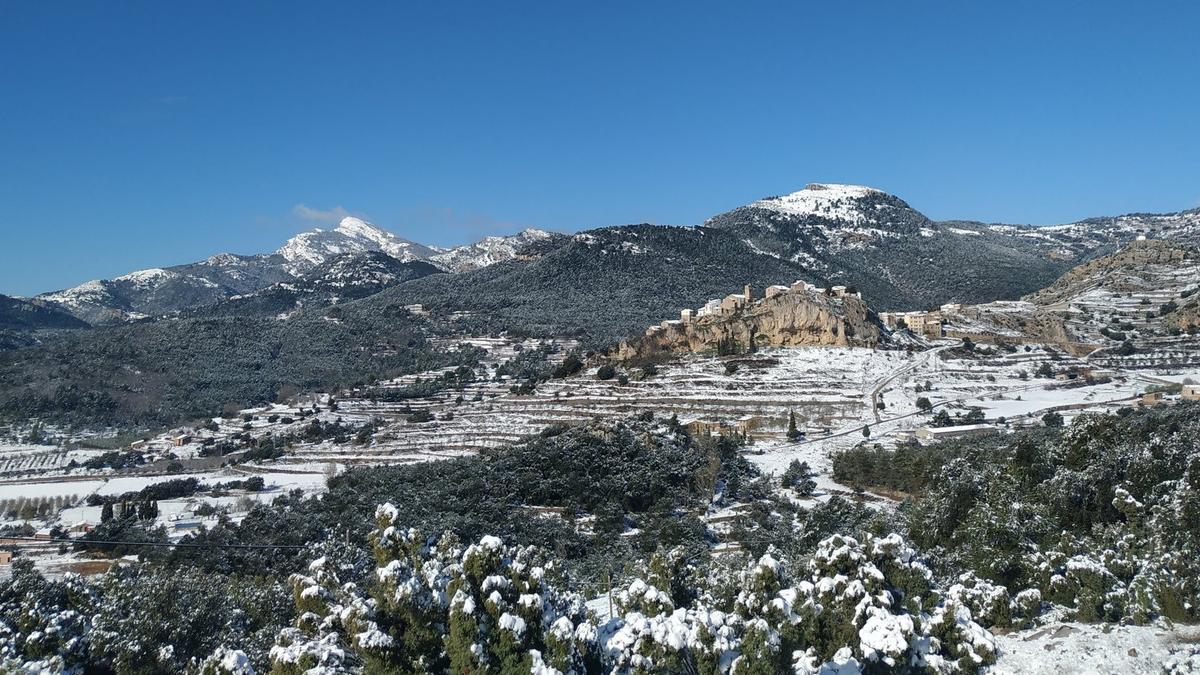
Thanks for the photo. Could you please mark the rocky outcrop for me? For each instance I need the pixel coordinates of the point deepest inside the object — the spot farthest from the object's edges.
(791, 319)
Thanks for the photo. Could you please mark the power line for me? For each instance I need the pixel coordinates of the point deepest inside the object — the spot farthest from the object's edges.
(165, 544)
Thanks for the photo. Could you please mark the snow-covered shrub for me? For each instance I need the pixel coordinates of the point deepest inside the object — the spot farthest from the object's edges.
(435, 605)
(989, 603)
(44, 625)
(226, 661)
(865, 603)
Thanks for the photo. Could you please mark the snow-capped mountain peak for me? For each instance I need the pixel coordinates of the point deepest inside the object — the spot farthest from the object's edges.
(826, 200)
(307, 250)
(361, 229)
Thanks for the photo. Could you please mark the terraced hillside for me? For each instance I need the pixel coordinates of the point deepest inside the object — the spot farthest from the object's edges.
(1123, 306)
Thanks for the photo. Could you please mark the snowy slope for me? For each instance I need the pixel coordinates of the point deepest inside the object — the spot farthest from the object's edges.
(487, 251)
(159, 291)
(827, 200)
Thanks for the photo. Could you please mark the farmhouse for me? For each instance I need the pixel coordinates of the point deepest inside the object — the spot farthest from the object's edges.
(1190, 392)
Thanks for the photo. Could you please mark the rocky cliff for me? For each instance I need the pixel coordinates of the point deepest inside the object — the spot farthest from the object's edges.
(791, 319)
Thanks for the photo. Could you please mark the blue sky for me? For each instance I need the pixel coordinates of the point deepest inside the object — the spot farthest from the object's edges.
(146, 134)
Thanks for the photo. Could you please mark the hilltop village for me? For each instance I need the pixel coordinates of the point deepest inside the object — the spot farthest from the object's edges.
(783, 316)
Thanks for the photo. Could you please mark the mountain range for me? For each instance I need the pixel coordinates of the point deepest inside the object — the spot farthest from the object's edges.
(331, 307)
(839, 234)
(183, 288)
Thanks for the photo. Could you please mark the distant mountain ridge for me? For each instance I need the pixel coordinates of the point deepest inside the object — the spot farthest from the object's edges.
(347, 277)
(841, 234)
(182, 288)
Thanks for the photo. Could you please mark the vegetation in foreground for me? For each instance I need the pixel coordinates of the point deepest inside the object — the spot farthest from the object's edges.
(1099, 518)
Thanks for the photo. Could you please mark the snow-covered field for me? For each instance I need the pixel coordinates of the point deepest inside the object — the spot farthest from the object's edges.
(1079, 649)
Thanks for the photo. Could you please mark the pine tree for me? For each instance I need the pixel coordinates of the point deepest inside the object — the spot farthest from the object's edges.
(866, 431)
(106, 513)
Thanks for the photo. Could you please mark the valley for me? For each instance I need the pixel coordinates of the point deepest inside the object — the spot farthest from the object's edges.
(536, 386)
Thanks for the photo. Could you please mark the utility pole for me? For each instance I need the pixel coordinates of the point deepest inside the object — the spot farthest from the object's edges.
(610, 607)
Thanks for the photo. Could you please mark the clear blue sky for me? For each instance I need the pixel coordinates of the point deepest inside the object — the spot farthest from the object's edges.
(146, 134)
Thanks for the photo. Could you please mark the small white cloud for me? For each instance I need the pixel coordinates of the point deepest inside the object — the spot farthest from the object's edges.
(333, 215)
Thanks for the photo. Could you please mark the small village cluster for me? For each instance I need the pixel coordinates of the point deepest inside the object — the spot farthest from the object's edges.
(735, 302)
(926, 324)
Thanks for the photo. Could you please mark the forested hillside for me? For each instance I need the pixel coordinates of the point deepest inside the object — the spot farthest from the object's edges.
(1102, 517)
(600, 285)
(173, 370)
(343, 279)
(22, 315)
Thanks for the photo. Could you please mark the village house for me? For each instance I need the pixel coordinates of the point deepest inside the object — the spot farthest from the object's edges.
(699, 427)
(79, 529)
(181, 439)
(1152, 398)
(748, 423)
(1190, 392)
(927, 324)
(736, 301)
(6, 557)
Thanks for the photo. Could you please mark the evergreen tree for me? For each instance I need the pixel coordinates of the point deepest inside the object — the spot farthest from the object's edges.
(798, 477)
(792, 432)
(106, 513)
(942, 419)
